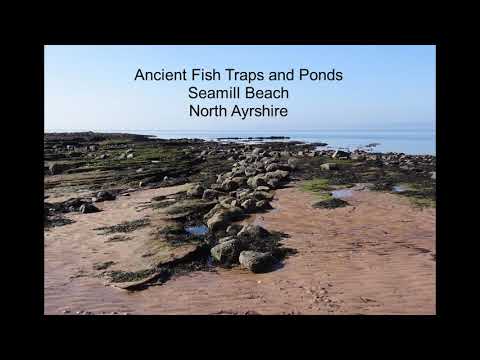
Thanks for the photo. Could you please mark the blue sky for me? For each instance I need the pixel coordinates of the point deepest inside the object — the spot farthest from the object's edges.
(384, 87)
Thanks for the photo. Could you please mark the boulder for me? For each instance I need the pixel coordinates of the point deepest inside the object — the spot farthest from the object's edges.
(255, 181)
(130, 156)
(358, 156)
(262, 195)
(103, 196)
(263, 188)
(221, 219)
(252, 232)
(250, 171)
(233, 229)
(238, 171)
(210, 194)
(195, 191)
(329, 166)
(293, 163)
(278, 174)
(229, 185)
(340, 154)
(226, 201)
(267, 161)
(256, 262)
(227, 252)
(88, 208)
(256, 151)
(225, 239)
(212, 211)
(263, 204)
(56, 168)
(240, 180)
(259, 166)
(272, 167)
(273, 183)
(249, 204)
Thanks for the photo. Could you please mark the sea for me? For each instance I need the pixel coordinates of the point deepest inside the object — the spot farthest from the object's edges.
(410, 141)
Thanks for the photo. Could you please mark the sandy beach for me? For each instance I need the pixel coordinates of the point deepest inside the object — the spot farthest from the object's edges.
(347, 233)
(375, 257)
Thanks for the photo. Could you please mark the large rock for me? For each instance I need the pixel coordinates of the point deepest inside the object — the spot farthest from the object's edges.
(233, 229)
(341, 154)
(257, 151)
(56, 168)
(259, 166)
(272, 167)
(88, 208)
(229, 185)
(273, 183)
(213, 211)
(329, 166)
(256, 262)
(358, 156)
(225, 239)
(227, 252)
(278, 174)
(267, 161)
(252, 232)
(238, 171)
(293, 163)
(262, 195)
(221, 219)
(103, 196)
(240, 180)
(249, 204)
(250, 171)
(226, 201)
(262, 188)
(263, 204)
(195, 191)
(256, 181)
(210, 194)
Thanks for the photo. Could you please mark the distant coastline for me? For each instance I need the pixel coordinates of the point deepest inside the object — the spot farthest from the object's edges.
(408, 141)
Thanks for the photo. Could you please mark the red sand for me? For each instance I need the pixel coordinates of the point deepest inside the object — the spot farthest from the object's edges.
(374, 257)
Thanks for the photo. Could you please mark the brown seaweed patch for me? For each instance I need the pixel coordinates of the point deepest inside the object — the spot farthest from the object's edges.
(124, 227)
(118, 238)
(117, 276)
(330, 203)
(103, 265)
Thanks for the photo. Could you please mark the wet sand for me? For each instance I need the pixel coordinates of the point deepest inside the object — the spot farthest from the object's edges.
(376, 256)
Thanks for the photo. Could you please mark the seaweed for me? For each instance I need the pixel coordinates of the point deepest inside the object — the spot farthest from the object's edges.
(124, 227)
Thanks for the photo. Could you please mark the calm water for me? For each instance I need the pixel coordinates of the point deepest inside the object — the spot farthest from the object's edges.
(406, 141)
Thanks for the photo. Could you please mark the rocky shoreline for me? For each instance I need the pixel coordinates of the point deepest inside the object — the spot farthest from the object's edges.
(225, 183)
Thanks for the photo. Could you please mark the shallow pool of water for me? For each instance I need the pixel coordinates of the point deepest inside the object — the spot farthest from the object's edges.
(342, 193)
(197, 230)
(400, 188)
